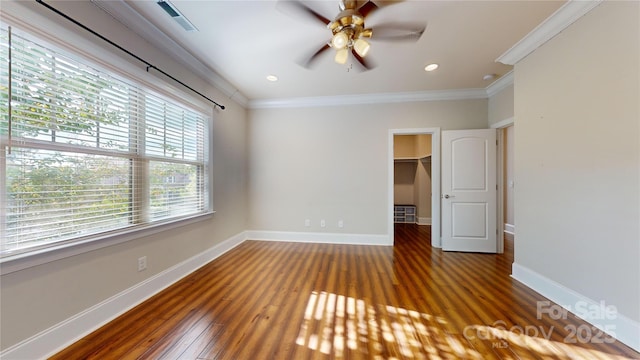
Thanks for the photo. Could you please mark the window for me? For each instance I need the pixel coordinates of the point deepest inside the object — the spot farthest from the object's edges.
(89, 153)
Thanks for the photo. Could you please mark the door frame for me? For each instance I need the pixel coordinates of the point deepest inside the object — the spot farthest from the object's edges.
(436, 235)
(500, 126)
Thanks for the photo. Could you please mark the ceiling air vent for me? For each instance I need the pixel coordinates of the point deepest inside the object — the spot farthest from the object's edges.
(170, 9)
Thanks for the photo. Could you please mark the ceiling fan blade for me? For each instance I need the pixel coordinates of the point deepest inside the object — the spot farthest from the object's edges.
(398, 32)
(367, 8)
(368, 65)
(301, 9)
(312, 59)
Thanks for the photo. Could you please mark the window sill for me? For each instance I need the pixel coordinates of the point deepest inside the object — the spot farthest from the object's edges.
(26, 260)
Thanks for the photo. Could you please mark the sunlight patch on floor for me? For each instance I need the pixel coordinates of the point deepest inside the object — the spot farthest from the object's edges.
(334, 324)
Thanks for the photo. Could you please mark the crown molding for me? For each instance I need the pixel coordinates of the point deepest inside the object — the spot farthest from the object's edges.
(566, 15)
(360, 99)
(502, 83)
(130, 18)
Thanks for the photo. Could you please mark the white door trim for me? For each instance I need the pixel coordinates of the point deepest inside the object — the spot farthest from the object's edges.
(500, 126)
(436, 239)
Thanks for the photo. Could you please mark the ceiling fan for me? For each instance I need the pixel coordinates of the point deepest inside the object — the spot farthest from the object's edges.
(349, 35)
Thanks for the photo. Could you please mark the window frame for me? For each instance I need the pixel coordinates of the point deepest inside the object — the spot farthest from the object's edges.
(109, 62)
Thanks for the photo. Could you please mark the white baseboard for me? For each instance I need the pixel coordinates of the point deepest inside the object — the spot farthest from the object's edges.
(424, 221)
(315, 237)
(61, 335)
(509, 228)
(624, 329)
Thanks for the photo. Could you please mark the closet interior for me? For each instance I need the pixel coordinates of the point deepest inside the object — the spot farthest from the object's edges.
(412, 179)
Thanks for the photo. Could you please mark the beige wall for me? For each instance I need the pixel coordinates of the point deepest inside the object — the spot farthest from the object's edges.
(577, 148)
(501, 105)
(331, 162)
(37, 298)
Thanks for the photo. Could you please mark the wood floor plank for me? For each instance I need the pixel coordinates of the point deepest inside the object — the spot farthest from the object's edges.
(283, 300)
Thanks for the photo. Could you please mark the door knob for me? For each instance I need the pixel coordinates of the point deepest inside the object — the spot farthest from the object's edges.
(446, 196)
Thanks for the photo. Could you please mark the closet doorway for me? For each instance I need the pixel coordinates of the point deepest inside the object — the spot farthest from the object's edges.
(506, 181)
(414, 179)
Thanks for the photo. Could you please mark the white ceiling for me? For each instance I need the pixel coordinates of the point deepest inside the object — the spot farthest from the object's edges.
(244, 41)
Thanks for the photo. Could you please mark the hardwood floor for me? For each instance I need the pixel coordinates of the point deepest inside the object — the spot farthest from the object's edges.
(279, 300)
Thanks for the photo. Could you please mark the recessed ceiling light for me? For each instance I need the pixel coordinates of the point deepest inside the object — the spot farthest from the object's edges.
(272, 78)
(431, 67)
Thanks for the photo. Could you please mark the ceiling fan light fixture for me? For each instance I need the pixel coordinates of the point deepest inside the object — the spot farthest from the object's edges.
(362, 47)
(340, 40)
(341, 56)
(349, 33)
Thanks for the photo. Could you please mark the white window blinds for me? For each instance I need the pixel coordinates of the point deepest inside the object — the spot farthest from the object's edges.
(89, 152)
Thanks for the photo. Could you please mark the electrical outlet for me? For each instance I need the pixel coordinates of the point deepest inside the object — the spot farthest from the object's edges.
(340, 224)
(323, 223)
(142, 263)
(307, 222)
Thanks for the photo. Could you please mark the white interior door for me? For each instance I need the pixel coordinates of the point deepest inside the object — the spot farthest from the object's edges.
(469, 194)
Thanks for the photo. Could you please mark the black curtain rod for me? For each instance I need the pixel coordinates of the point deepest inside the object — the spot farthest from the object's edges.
(148, 64)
